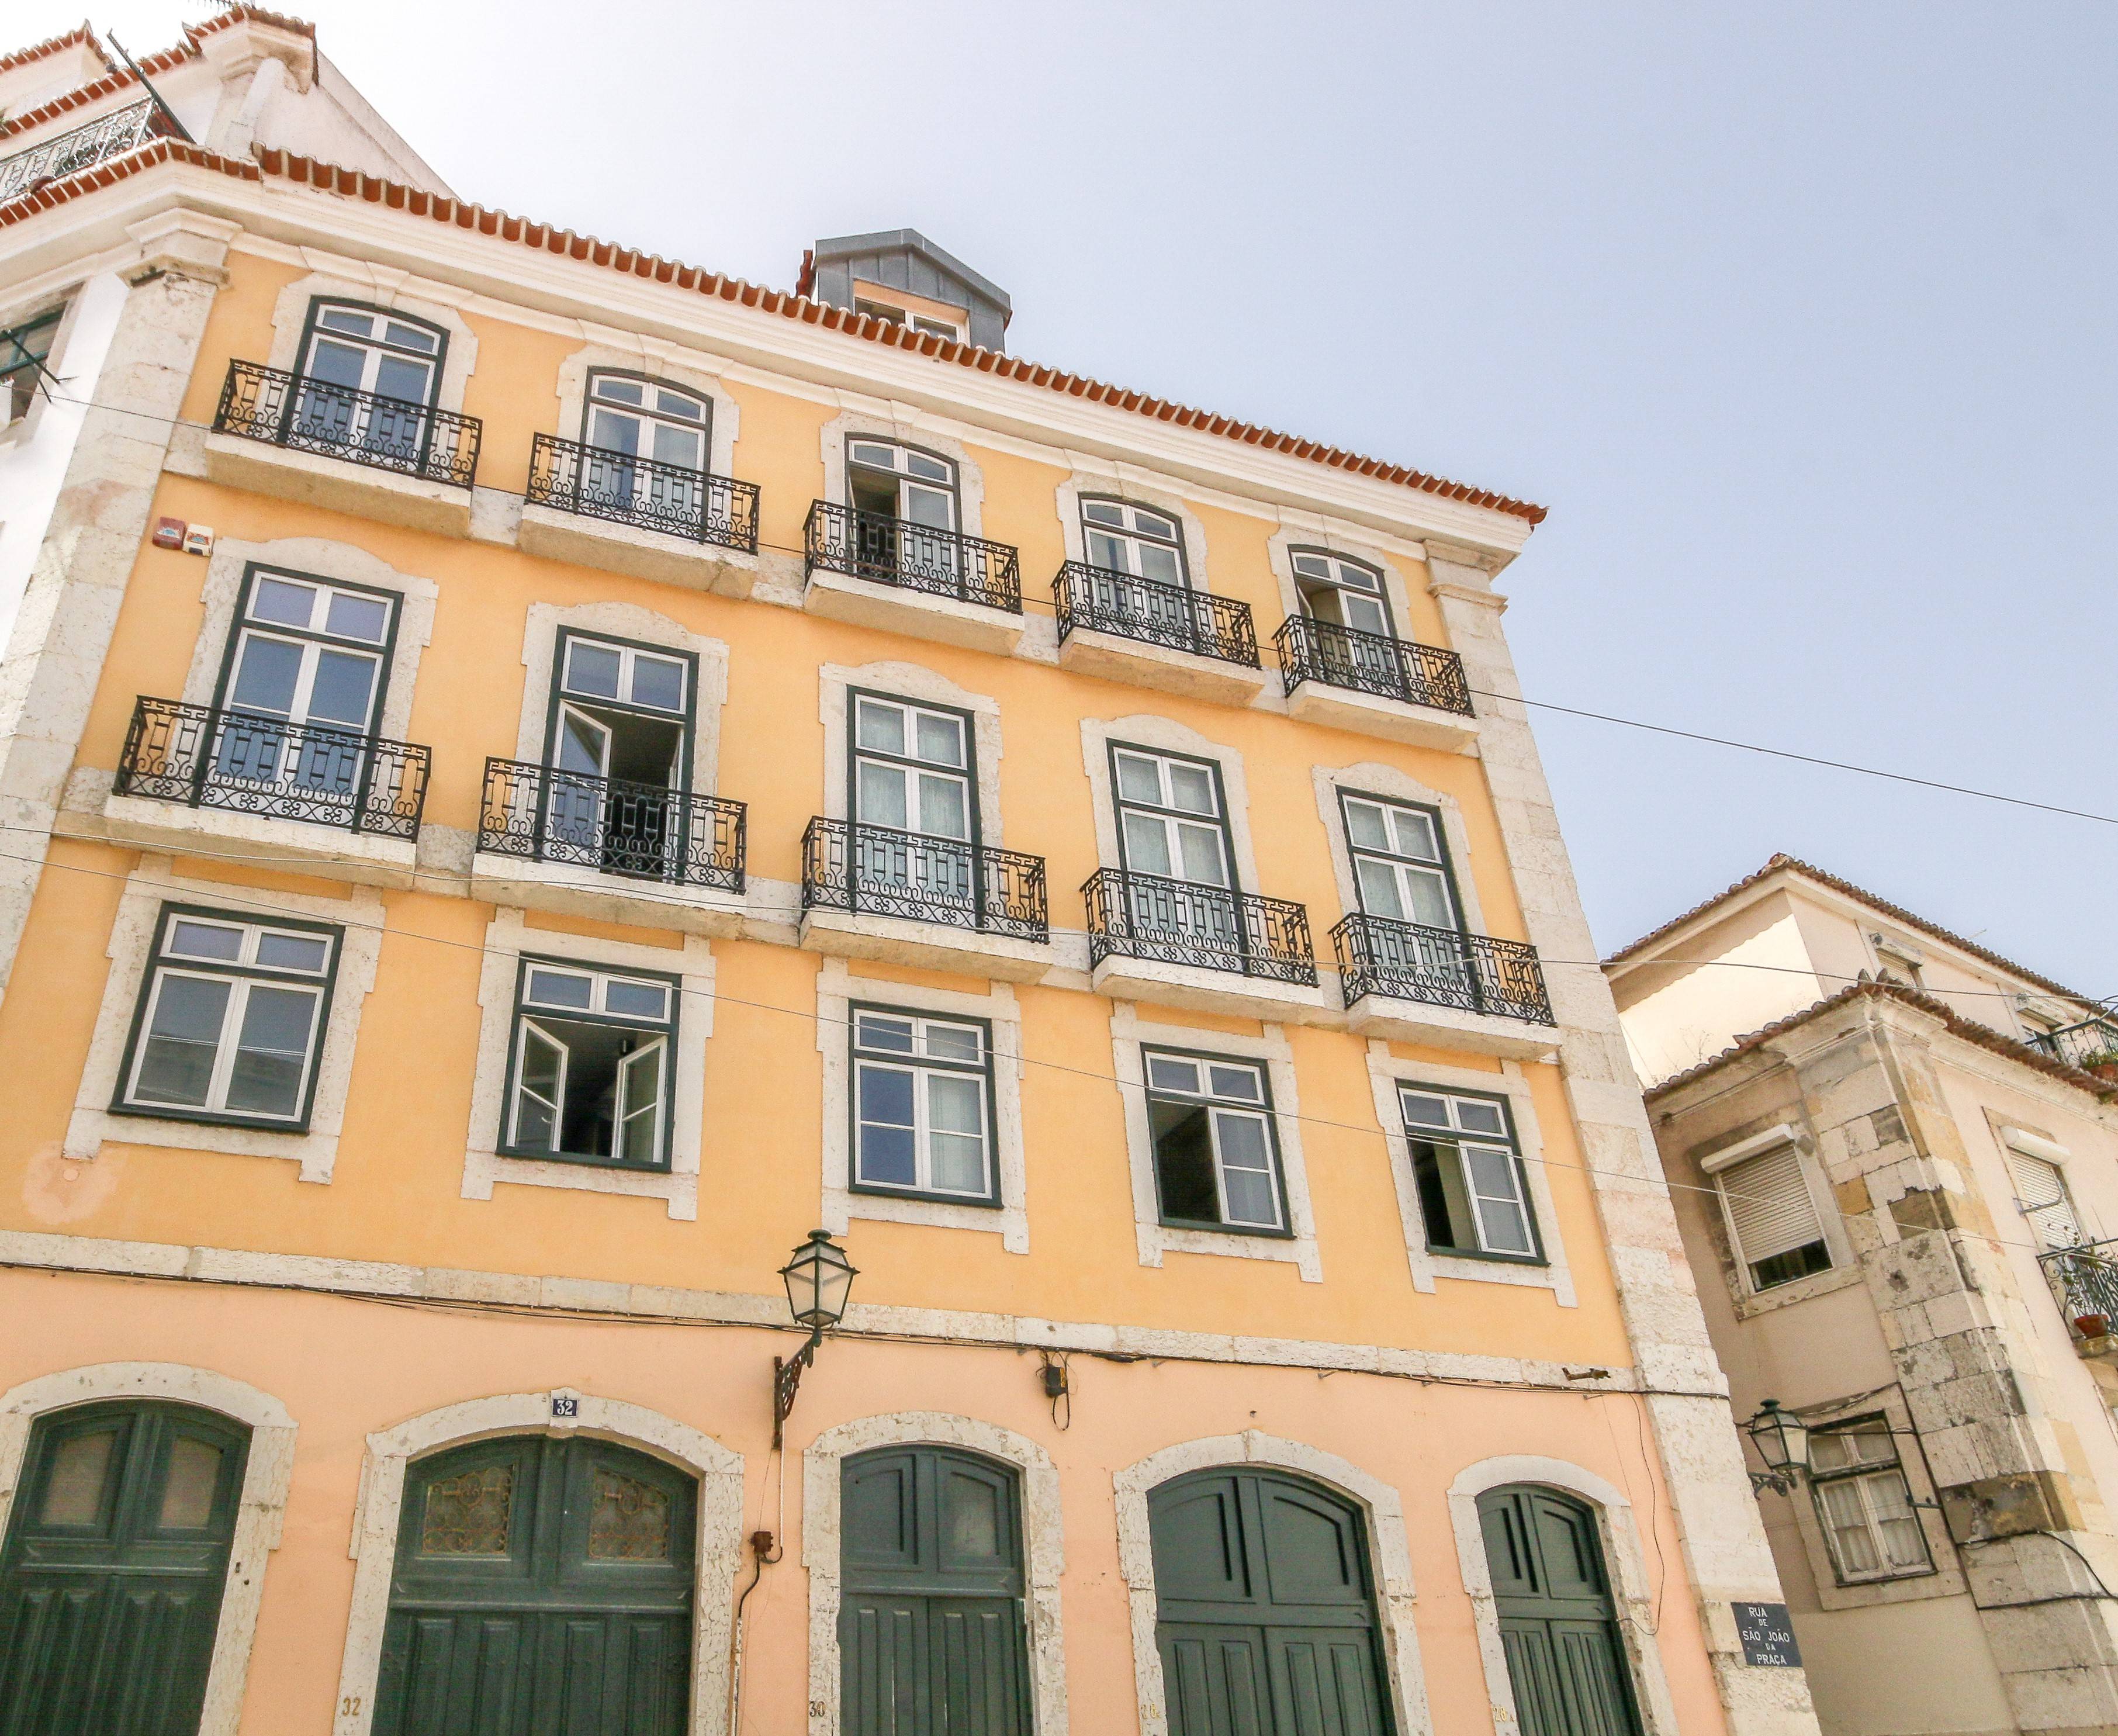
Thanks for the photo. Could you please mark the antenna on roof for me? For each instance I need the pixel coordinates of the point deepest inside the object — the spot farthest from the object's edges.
(169, 113)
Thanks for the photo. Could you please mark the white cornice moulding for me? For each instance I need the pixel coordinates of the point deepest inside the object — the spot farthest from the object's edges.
(298, 215)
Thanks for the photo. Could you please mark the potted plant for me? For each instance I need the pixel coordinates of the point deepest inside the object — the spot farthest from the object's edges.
(2092, 1325)
(2103, 1062)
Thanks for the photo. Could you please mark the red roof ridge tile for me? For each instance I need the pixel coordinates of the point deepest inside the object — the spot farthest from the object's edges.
(82, 32)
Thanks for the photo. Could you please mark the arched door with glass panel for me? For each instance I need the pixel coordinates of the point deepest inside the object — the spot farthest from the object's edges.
(1138, 572)
(932, 1627)
(367, 380)
(112, 1569)
(543, 1586)
(1174, 841)
(1559, 1629)
(620, 757)
(906, 513)
(646, 452)
(913, 806)
(1264, 1608)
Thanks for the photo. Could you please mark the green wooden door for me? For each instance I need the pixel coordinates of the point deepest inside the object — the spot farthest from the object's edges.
(542, 1588)
(932, 1636)
(1558, 1624)
(111, 1575)
(1265, 1609)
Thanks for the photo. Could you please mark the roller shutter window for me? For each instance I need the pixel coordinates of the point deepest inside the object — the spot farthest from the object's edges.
(2040, 1193)
(1779, 1236)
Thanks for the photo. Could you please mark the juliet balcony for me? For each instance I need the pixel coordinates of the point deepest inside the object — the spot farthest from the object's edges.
(610, 848)
(1208, 947)
(910, 898)
(638, 515)
(347, 804)
(2091, 1045)
(2084, 1285)
(307, 440)
(102, 140)
(1419, 983)
(904, 577)
(1156, 635)
(1395, 688)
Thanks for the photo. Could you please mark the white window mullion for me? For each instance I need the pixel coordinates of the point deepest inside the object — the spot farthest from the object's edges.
(231, 1034)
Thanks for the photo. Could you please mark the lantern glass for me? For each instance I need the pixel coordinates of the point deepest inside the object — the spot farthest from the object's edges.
(1781, 1438)
(818, 1279)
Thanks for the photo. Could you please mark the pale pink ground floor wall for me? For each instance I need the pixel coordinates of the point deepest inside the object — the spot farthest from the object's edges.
(324, 1374)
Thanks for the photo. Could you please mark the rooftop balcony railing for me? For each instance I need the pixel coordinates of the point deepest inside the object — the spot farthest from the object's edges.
(645, 831)
(881, 871)
(696, 505)
(102, 140)
(922, 558)
(1178, 922)
(208, 757)
(2084, 1281)
(1443, 967)
(1096, 599)
(2092, 1043)
(308, 415)
(1349, 657)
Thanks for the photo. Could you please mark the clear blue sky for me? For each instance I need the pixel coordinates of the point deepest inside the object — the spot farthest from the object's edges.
(1799, 318)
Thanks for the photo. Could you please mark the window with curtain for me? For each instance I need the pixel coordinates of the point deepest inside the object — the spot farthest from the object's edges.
(1864, 1504)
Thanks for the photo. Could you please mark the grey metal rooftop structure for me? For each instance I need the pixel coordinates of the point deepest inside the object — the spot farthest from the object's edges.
(904, 259)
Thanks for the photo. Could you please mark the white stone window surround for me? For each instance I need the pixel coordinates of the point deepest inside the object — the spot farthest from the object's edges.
(367, 284)
(904, 426)
(634, 354)
(837, 990)
(719, 1545)
(92, 300)
(261, 1505)
(1372, 778)
(359, 918)
(1044, 1547)
(1715, 1163)
(1279, 552)
(508, 937)
(1946, 1577)
(1166, 735)
(1123, 481)
(1386, 1073)
(1389, 1557)
(1129, 1033)
(1633, 1593)
(836, 683)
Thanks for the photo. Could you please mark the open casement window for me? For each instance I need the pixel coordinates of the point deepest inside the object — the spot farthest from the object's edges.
(1120, 537)
(592, 1075)
(24, 350)
(1863, 1502)
(1216, 1154)
(1343, 592)
(367, 378)
(231, 1016)
(922, 1106)
(2041, 1194)
(1772, 1219)
(913, 797)
(1173, 824)
(905, 506)
(1469, 1174)
(620, 753)
(647, 446)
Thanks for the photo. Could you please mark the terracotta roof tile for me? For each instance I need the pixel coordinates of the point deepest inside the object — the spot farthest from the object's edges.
(74, 38)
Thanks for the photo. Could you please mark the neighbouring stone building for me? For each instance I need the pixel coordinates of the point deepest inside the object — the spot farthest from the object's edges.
(533, 778)
(1894, 1157)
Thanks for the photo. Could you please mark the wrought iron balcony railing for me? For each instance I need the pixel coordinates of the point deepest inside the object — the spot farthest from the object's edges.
(881, 871)
(2093, 1042)
(1099, 600)
(1370, 663)
(102, 141)
(1178, 922)
(308, 415)
(208, 757)
(895, 551)
(596, 483)
(2084, 1280)
(646, 831)
(1443, 967)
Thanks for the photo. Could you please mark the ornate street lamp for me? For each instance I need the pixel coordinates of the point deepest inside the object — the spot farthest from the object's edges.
(1782, 1439)
(818, 1279)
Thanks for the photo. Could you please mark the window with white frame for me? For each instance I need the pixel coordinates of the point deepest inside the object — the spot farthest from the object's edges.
(1120, 537)
(1864, 1504)
(1467, 1167)
(2040, 1193)
(1216, 1153)
(1772, 1219)
(901, 481)
(367, 350)
(644, 418)
(230, 1019)
(590, 1077)
(1400, 865)
(1341, 591)
(922, 1106)
(305, 651)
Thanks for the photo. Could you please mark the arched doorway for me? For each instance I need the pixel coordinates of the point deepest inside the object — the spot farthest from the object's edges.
(112, 1569)
(540, 1584)
(932, 1636)
(1559, 1627)
(1264, 1608)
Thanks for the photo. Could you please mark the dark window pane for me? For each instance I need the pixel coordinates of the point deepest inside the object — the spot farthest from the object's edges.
(1796, 1262)
(1184, 1162)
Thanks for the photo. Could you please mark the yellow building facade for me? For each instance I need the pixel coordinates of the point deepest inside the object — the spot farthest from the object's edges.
(535, 777)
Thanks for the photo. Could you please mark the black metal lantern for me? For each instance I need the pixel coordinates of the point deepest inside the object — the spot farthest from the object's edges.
(818, 1279)
(1782, 1439)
